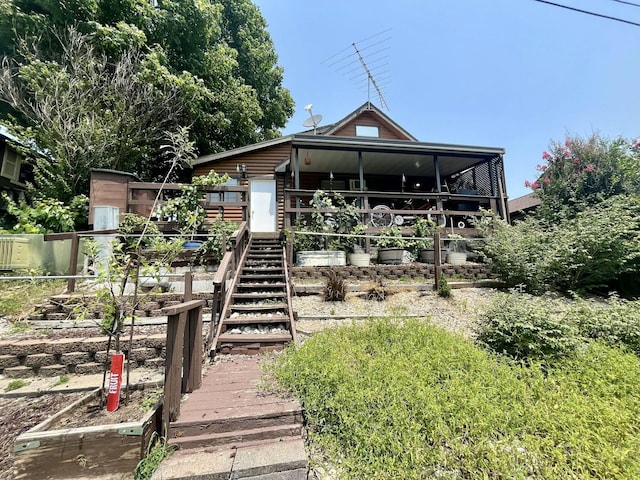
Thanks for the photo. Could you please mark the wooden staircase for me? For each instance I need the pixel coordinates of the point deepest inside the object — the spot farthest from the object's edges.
(257, 316)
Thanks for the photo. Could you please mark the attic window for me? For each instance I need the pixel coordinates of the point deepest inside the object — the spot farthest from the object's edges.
(367, 131)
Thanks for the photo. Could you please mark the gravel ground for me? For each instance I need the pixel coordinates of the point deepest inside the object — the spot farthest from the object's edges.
(458, 314)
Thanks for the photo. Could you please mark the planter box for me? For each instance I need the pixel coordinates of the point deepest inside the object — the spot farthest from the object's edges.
(42, 453)
(360, 259)
(321, 258)
(428, 256)
(456, 258)
(391, 256)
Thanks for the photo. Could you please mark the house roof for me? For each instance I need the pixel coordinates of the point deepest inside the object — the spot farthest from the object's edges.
(370, 107)
(336, 152)
(524, 203)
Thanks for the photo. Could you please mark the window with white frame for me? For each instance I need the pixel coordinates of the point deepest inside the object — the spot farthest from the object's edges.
(367, 131)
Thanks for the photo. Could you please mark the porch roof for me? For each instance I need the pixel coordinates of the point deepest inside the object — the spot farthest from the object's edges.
(387, 157)
(382, 156)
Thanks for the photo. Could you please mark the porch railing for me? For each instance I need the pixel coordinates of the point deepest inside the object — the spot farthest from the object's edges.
(442, 207)
(218, 200)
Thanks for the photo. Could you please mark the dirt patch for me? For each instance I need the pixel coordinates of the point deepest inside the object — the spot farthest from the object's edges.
(95, 413)
(21, 414)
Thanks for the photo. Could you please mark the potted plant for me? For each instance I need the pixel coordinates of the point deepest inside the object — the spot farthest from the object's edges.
(423, 229)
(391, 245)
(457, 249)
(357, 256)
(326, 236)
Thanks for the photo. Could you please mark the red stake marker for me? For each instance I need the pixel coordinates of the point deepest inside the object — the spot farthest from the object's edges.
(115, 380)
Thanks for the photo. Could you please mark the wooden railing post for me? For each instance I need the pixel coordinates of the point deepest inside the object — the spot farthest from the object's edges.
(73, 262)
(183, 367)
(188, 287)
(437, 259)
(173, 369)
(193, 361)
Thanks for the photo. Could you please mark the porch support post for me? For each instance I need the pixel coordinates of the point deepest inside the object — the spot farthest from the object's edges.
(436, 169)
(296, 175)
(493, 180)
(363, 201)
(361, 170)
(502, 191)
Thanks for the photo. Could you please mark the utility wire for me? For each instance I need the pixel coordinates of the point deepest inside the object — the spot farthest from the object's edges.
(627, 3)
(589, 13)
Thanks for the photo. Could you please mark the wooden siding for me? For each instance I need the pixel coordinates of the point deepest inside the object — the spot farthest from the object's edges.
(369, 118)
(261, 163)
(109, 189)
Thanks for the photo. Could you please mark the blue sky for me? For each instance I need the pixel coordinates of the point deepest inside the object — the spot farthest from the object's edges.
(503, 73)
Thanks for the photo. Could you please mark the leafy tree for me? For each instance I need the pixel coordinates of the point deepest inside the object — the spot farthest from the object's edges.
(86, 112)
(584, 172)
(217, 54)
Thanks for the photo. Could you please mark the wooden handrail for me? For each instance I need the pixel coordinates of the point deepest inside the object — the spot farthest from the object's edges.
(287, 280)
(183, 367)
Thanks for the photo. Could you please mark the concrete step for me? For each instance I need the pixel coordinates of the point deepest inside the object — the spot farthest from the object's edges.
(283, 460)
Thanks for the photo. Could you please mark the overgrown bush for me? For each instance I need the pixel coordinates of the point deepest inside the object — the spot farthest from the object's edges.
(46, 215)
(586, 253)
(616, 322)
(527, 328)
(580, 173)
(387, 400)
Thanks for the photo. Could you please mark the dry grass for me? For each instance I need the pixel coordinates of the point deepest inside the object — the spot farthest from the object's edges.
(18, 298)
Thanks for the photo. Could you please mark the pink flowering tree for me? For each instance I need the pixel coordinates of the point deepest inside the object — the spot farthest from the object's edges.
(580, 173)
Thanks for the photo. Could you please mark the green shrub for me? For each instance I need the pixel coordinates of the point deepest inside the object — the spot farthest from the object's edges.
(410, 401)
(444, 289)
(47, 215)
(588, 252)
(616, 322)
(525, 327)
(15, 385)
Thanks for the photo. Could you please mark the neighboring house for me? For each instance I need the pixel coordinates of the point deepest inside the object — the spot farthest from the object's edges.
(368, 157)
(14, 171)
(520, 207)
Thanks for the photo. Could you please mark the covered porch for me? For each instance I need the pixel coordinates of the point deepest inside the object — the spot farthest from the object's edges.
(395, 181)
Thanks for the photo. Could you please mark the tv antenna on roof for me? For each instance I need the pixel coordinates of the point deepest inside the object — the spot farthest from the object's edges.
(313, 120)
(371, 80)
(373, 71)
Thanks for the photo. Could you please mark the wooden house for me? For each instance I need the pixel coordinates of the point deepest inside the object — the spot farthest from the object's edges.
(368, 157)
(15, 172)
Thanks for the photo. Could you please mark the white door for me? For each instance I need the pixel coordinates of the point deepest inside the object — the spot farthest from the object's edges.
(263, 205)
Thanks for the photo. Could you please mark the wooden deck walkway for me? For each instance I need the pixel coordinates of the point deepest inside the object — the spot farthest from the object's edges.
(230, 408)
